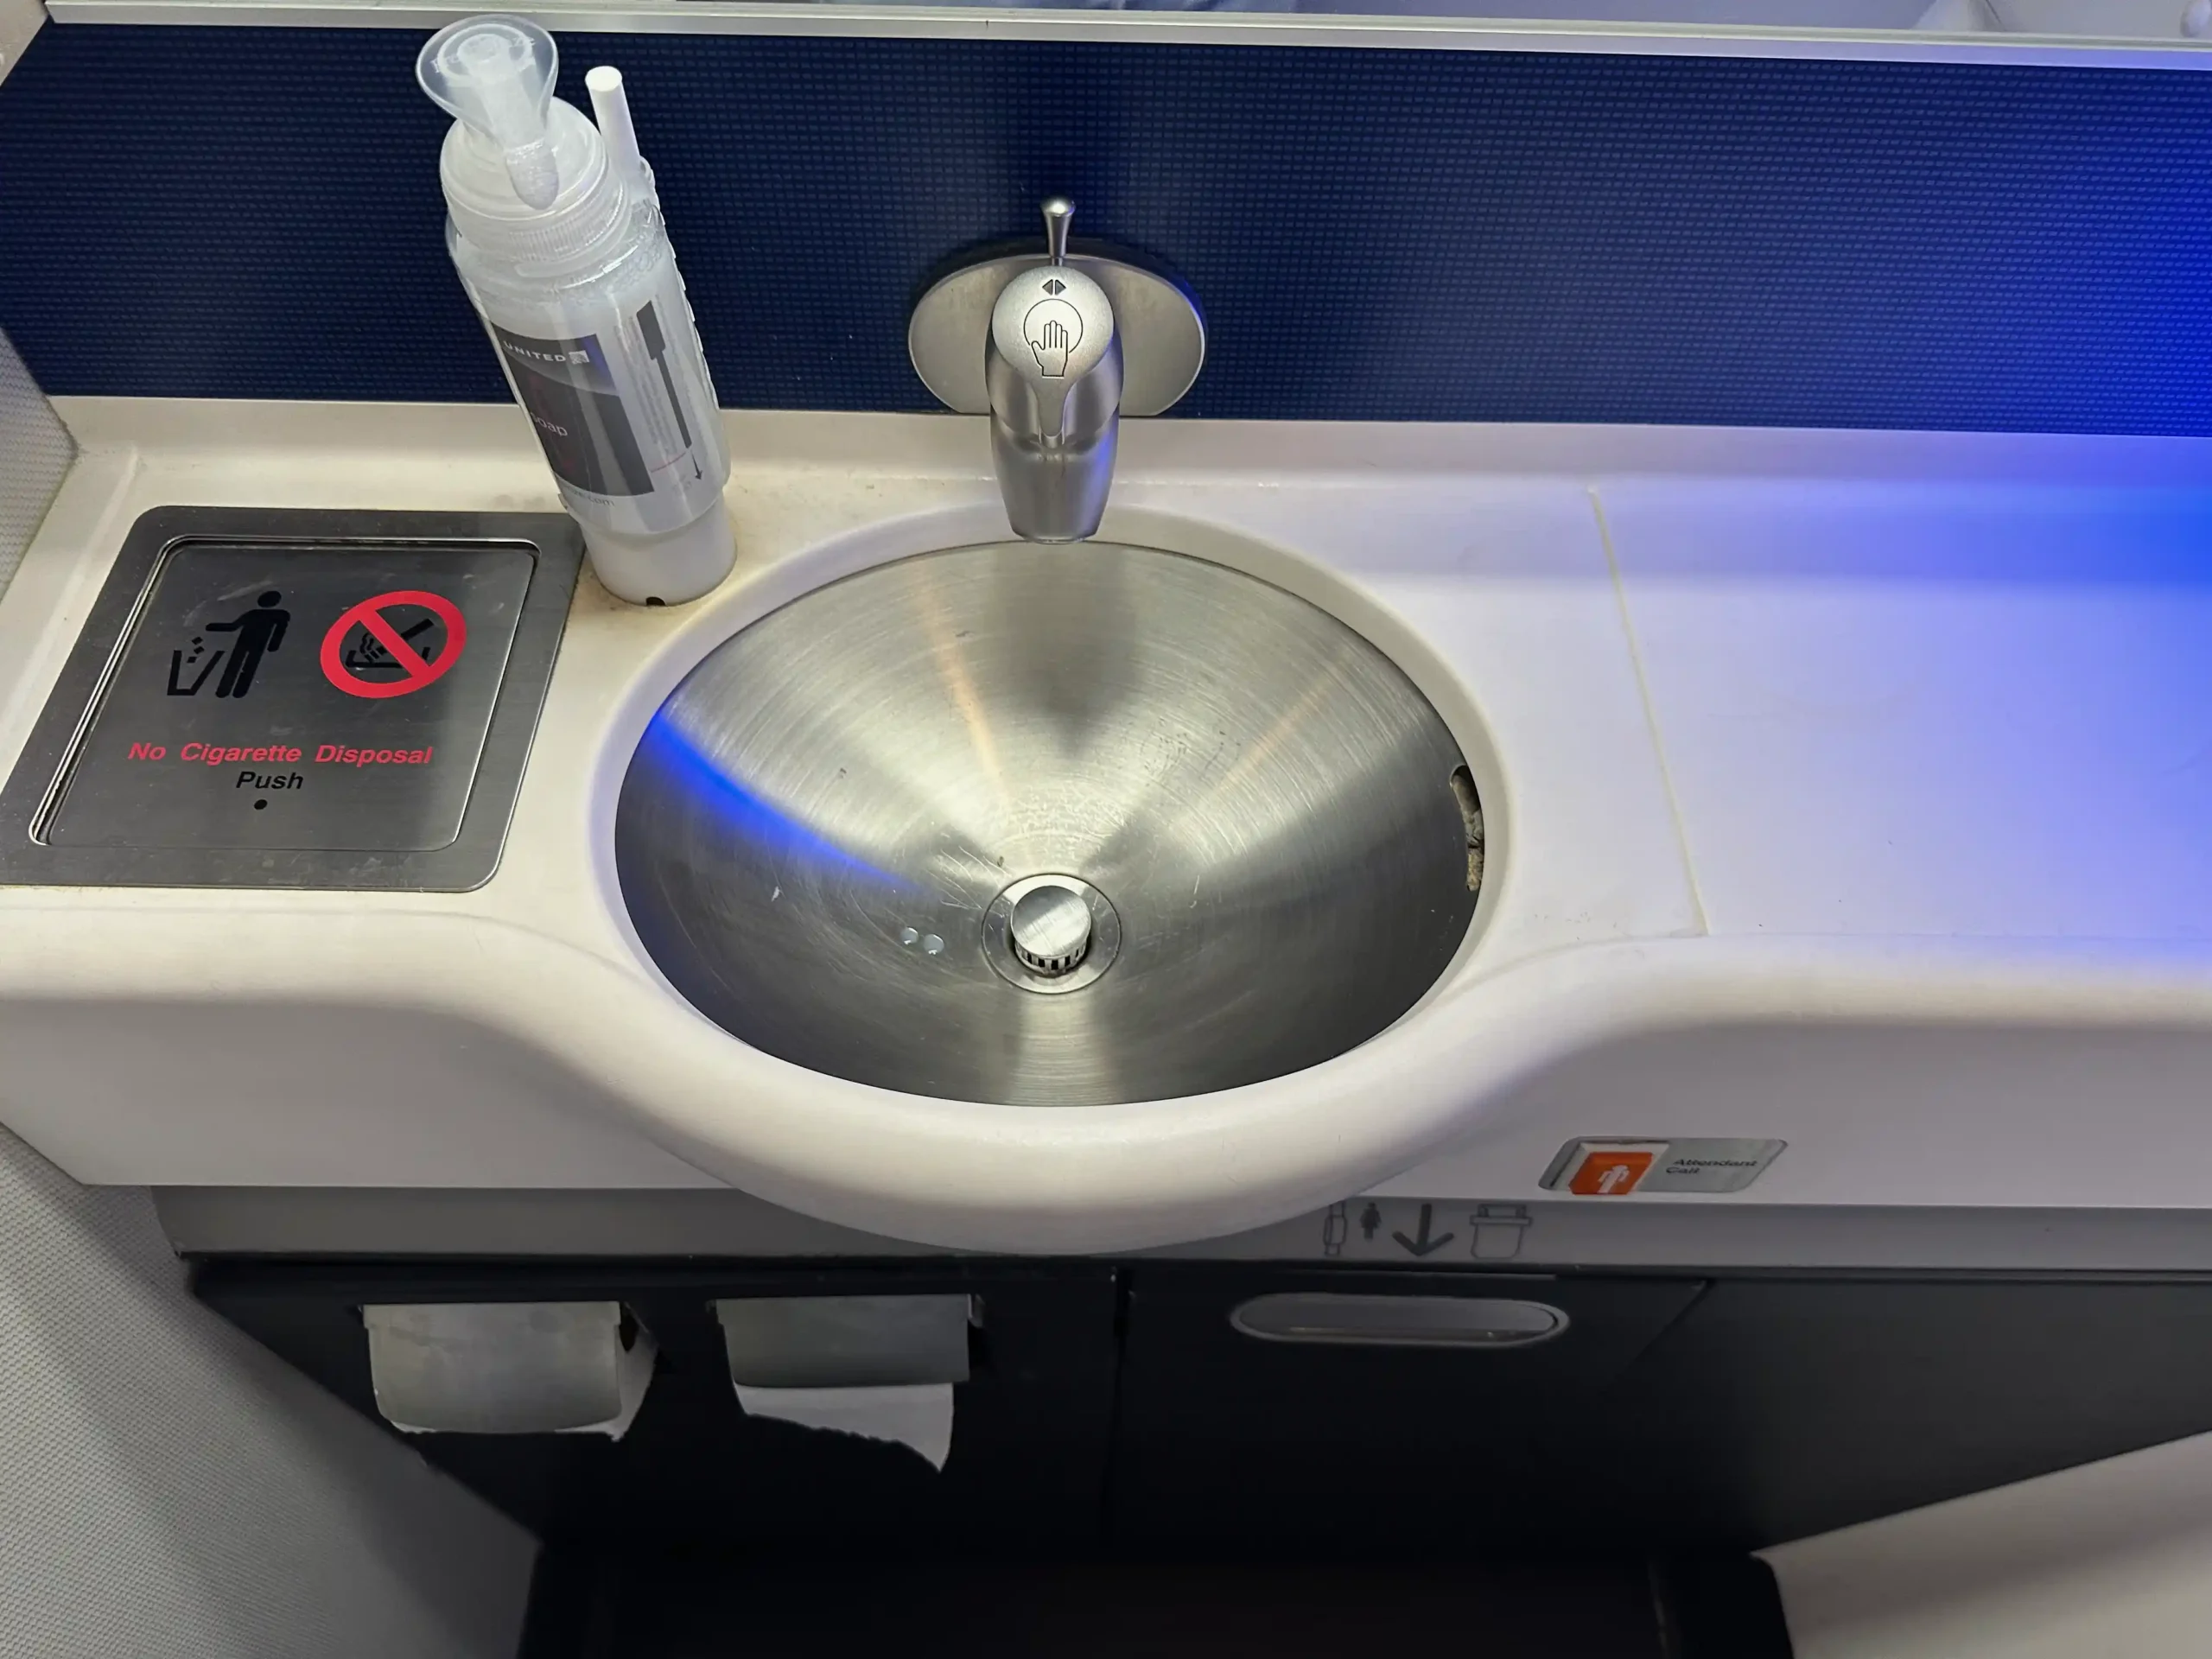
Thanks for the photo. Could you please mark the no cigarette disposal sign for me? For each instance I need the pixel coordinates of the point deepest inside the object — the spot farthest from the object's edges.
(300, 700)
(294, 699)
(365, 648)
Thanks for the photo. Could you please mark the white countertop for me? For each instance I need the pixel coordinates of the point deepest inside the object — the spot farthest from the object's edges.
(1845, 788)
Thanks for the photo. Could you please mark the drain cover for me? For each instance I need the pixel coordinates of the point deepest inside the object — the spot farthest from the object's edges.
(1051, 933)
(1050, 929)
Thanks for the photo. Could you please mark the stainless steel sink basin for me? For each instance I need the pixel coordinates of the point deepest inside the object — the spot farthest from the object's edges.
(1050, 827)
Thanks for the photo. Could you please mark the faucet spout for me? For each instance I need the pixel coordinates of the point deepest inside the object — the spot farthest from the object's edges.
(1052, 365)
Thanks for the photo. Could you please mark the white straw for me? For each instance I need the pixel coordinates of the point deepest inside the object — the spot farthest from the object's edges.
(610, 107)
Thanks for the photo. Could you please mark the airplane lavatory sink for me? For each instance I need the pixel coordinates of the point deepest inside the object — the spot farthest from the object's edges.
(1050, 826)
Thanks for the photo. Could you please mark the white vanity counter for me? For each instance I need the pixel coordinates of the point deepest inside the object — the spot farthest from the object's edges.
(1844, 789)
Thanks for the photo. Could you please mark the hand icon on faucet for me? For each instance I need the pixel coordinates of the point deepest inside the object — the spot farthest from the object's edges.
(1052, 350)
(1053, 329)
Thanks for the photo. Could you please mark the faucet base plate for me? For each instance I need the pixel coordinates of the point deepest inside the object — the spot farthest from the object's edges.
(1163, 335)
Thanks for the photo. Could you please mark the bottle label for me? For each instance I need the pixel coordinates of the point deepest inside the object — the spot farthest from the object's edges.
(569, 390)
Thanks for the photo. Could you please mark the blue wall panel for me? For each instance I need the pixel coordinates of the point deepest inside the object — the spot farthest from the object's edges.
(1377, 235)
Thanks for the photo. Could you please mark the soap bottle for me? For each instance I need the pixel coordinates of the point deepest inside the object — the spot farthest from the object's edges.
(555, 228)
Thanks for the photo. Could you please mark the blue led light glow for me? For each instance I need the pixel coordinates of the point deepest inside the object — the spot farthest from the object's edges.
(667, 746)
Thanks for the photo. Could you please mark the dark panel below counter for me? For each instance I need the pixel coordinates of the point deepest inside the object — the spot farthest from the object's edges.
(842, 1606)
(1428, 235)
(1764, 1410)
(1168, 1411)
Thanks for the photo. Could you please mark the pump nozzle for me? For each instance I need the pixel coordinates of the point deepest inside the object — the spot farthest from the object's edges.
(495, 74)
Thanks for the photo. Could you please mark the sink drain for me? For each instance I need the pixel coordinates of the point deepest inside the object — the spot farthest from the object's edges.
(1050, 930)
(1051, 933)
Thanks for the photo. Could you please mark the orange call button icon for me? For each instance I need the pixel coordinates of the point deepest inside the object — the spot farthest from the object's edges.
(1609, 1174)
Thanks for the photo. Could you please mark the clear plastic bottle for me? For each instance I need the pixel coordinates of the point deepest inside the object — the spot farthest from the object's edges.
(555, 230)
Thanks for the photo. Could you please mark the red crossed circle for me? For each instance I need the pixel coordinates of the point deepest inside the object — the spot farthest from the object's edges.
(369, 614)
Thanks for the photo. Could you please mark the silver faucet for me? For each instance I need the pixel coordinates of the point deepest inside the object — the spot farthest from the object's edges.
(1052, 365)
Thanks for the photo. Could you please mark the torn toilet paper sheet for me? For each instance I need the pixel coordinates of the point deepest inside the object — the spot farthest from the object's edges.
(918, 1415)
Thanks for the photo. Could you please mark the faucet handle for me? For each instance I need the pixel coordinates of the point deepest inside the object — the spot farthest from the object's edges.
(1058, 213)
(1052, 327)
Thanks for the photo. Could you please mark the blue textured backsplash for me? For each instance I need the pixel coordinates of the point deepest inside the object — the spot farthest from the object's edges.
(1374, 235)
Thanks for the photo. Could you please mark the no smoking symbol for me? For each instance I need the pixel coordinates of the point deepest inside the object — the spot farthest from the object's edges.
(384, 650)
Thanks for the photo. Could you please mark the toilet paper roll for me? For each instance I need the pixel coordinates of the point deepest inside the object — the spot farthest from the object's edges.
(917, 1415)
(508, 1367)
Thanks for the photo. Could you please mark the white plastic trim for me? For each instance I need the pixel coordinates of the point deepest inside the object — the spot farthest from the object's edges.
(1213, 28)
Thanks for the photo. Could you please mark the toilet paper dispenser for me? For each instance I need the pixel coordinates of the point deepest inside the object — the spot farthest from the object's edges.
(879, 1366)
(882, 1368)
(508, 1367)
(846, 1342)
